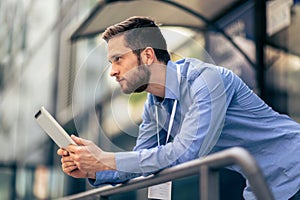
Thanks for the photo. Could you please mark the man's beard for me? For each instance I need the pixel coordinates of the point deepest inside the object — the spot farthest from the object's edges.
(138, 79)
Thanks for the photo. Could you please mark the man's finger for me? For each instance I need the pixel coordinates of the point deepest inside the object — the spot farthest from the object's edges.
(62, 152)
(80, 141)
(66, 159)
(68, 164)
(69, 169)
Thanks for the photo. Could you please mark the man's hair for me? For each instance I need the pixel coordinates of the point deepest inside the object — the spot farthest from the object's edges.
(140, 32)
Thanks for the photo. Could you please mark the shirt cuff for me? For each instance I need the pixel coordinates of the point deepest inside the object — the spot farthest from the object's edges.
(128, 162)
(111, 177)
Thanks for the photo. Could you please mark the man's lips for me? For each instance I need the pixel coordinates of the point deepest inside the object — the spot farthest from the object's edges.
(120, 79)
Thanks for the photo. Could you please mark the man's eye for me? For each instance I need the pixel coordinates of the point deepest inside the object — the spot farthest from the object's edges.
(117, 59)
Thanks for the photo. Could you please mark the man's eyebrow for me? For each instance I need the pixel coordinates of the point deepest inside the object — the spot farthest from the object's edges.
(120, 54)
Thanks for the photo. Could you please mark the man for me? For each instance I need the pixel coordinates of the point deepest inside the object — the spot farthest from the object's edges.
(193, 109)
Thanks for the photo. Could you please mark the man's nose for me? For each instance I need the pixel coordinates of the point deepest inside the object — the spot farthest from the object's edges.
(114, 71)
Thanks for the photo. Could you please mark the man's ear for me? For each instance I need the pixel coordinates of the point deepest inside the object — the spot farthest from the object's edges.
(148, 55)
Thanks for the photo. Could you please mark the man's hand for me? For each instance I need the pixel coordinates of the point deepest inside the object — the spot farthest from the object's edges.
(70, 168)
(84, 160)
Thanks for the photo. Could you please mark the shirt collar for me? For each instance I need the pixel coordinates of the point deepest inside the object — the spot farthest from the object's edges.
(172, 85)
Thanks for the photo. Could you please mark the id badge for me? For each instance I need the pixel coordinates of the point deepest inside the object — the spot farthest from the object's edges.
(161, 191)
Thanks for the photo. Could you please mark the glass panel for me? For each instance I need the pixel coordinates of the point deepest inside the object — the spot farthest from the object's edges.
(283, 58)
(238, 30)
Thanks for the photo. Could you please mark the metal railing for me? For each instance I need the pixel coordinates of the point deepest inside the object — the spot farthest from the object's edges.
(208, 170)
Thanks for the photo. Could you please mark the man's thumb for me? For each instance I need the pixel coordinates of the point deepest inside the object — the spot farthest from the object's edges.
(79, 141)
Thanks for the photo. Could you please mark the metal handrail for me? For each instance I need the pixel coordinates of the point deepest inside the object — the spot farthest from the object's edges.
(207, 167)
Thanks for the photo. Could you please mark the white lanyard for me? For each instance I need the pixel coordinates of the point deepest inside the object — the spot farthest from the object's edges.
(172, 117)
(163, 191)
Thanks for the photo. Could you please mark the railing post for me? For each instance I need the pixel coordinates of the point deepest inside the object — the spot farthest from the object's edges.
(209, 183)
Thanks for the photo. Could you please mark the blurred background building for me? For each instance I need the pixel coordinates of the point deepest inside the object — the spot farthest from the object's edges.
(51, 54)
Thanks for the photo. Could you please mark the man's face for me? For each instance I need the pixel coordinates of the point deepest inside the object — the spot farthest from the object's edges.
(128, 69)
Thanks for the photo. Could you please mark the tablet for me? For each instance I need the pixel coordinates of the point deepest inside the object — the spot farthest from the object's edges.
(53, 129)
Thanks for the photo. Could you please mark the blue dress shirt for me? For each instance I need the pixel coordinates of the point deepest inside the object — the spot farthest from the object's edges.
(215, 111)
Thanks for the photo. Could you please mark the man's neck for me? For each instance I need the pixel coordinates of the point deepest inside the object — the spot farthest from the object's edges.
(157, 80)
